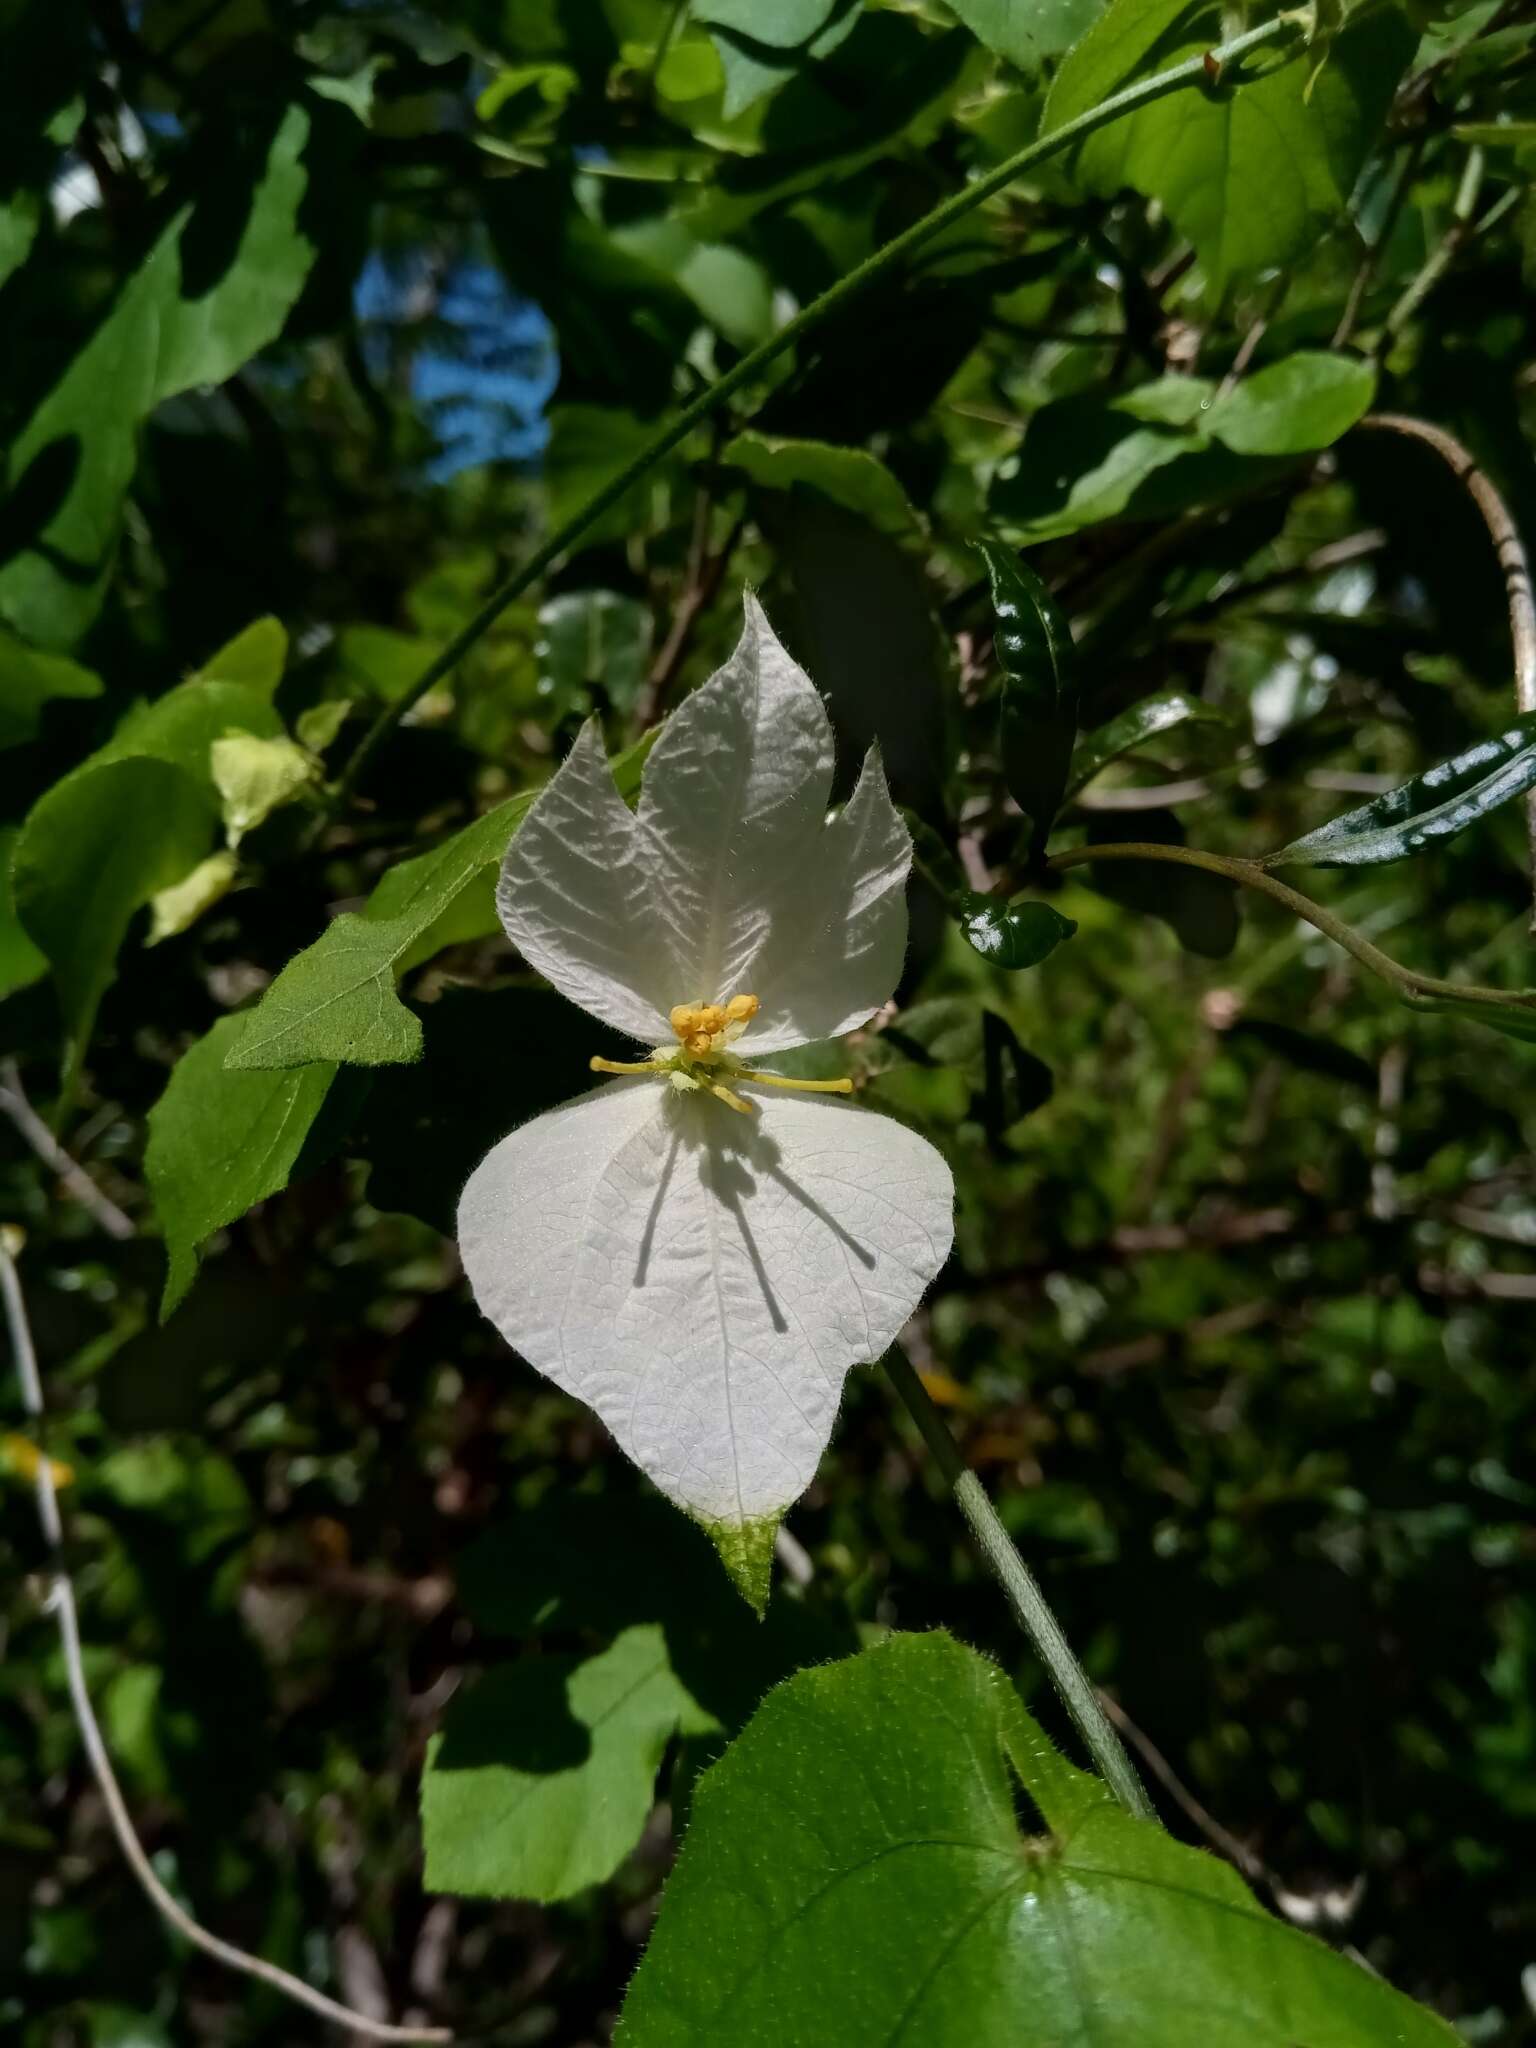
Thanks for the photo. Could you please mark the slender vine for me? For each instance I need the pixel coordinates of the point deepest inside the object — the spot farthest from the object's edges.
(1022, 1591)
(1283, 38)
(1250, 874)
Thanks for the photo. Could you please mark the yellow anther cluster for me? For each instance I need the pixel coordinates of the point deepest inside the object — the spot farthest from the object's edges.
(709, 1027)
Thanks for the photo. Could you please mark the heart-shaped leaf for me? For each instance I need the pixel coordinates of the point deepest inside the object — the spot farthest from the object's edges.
(857, 1871)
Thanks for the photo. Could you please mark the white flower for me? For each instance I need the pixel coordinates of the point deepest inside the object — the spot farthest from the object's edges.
(691, 1249)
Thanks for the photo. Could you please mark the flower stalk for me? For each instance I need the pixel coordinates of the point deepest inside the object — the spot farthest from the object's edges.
(1030, 1608)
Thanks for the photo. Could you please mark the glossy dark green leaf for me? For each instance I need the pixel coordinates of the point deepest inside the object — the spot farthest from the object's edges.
(1199, 907)
(1012, 935)
(892, 1852)
(1130, 730)
(1434, 806)
(1015, 1082)
(1038, 717)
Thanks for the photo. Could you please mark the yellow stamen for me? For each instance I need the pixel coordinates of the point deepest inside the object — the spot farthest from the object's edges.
(840, 1087)
(698, 1043)
(600, 1066)
(681, 1018)
(741, 1009)
(731, 1101)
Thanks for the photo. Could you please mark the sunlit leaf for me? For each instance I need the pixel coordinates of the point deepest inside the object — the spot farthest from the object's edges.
(1434, 806)
(892, 1851)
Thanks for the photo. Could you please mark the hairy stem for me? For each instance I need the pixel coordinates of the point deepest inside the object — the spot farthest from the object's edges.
(1248, 874)
(1022, 1592)
(60, 1602)
(1281, 37)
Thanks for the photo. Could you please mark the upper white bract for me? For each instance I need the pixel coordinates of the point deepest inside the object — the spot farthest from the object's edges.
(705, 1279)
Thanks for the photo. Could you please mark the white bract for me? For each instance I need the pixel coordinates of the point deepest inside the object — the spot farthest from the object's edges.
(693, 1250)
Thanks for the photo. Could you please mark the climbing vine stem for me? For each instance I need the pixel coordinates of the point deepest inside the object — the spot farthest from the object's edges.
(1282, 39)
(1425, 989)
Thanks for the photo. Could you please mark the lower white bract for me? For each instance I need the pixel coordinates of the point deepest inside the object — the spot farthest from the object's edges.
(698, 1253)
(705, 1280)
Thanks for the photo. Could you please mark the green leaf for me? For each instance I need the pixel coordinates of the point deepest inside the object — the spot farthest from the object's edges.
(1013, 935)
(1253, 176)
(781, 24)
(1027, 31)
(20, 961)
(175, 910)
(254, 659)
(29, 680)
(427, 1125)
(1514, 1017)
(588, 446)
(1433, 806)
(254, 777)
(606, 1562)
(541, 1780)
(170, 327)
(336, 1000)
(1038, 717)
(754, 66)
(858, 1870)
(221, 1141)
(1168, 446)
(1305, 401)
(850, 477)
(1131, 729)
(861, 622)
(96, 847)
(593, 639)
(1199, 907)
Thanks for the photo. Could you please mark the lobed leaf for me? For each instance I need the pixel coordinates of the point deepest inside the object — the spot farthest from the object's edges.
(856, 1870)
(1252, 177)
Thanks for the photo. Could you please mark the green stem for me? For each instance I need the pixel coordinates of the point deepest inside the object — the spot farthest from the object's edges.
(1022, 1592)
(1283, 36)
(1248, 874)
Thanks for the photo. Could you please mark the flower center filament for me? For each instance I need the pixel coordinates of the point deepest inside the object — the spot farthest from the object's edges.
(702, 1056)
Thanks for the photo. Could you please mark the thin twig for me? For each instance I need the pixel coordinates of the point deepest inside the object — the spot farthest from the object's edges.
(1366, 273)
(14, 1104)
(1461, 231)
(1021, 1591)
(60, 1602)
(1512, 558)
(699, 592)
